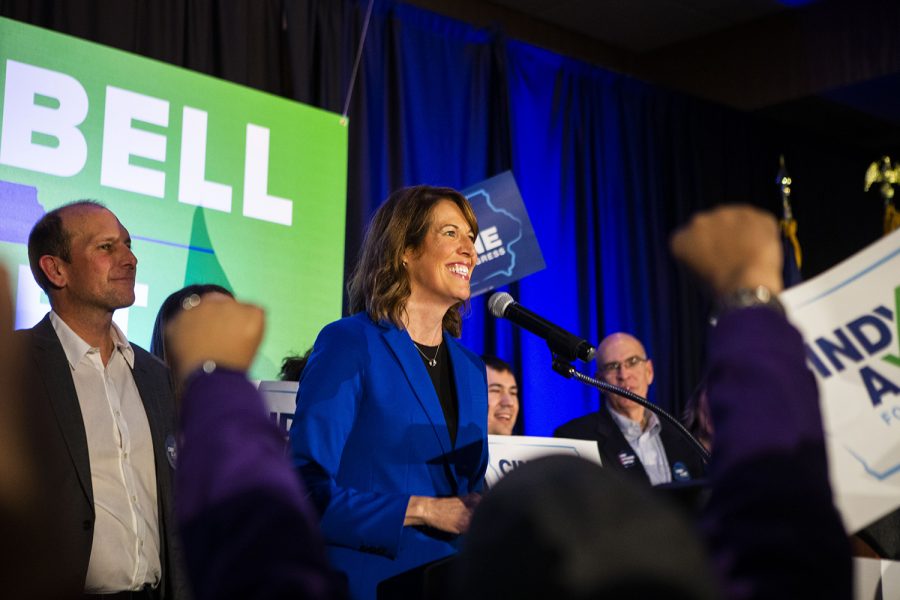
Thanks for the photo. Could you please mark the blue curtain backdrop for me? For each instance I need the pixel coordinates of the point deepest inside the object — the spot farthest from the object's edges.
(608, 166)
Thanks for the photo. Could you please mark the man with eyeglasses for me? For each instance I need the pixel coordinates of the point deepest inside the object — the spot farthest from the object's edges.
(630, 437)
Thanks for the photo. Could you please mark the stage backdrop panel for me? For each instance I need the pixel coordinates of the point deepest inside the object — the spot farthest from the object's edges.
(216, 183)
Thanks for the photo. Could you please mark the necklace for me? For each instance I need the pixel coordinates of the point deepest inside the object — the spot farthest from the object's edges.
(433, 360)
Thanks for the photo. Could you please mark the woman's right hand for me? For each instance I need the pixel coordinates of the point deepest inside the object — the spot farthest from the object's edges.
(447, 514)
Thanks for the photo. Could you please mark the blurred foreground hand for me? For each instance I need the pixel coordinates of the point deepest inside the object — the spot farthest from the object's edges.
(16, 485)
(224, 331)
(732, 247)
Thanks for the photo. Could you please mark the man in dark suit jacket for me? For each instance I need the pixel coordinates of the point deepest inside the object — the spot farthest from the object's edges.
(105, 408)
(630, 437)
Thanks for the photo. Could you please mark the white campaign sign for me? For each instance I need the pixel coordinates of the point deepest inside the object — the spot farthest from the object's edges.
(874, 578)
(507, 452)
(849, 320)
(280, 398)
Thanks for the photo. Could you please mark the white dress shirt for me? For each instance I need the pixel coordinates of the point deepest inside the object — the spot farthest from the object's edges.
(125, 548)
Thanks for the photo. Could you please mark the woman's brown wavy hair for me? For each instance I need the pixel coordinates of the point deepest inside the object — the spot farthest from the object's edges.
(379, 283)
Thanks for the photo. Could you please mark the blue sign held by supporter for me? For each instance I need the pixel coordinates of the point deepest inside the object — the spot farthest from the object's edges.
(507, 248)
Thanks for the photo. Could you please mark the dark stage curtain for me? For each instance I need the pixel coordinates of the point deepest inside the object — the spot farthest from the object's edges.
(608, 166)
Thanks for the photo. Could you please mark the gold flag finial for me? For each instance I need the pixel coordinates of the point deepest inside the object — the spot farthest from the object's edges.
(783, 181)
(787, 222)
(883, 171)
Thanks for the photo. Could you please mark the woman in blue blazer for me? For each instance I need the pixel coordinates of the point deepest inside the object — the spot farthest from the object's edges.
(390, 429)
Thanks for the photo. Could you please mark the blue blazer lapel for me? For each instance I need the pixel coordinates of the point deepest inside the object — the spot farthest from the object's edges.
(402, 347)
(463, 386)
(471, 445)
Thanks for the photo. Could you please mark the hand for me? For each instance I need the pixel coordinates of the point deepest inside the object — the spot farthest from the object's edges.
(218, 329)
(732, 247)
(452, 515)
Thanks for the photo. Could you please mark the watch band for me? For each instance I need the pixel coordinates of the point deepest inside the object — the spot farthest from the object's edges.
(759, 296)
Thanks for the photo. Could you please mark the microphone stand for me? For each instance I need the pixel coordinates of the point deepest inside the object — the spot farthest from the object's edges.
(562, 366)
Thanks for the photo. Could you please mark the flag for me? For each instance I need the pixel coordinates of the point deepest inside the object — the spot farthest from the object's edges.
(790, 244)
(793, 257)
(891, 218)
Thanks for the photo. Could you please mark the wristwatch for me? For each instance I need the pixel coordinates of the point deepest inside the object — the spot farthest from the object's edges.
(747, 298)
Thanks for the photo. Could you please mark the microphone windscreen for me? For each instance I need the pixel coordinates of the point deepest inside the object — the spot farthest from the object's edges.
(498, 303)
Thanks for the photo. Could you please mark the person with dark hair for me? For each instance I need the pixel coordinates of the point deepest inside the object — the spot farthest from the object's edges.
(389, 433)
(696, 417)
(112, 404)
(174, 304)
(564, 528)
(630, 437)
(292, 366)
(503, 396)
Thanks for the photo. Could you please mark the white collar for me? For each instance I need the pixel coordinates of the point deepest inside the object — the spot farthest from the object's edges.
(633, 428)
(76, 348)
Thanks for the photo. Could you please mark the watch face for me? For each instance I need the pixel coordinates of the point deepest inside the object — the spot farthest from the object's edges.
(749, 297)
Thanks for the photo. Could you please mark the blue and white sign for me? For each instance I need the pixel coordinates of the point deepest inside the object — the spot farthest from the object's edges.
(280, 398)
(507, 248)
(849, 320)
(509, 452)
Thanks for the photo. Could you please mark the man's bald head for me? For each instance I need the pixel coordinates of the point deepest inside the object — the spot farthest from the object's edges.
(615, 340)
(50, 236)
(622, 361)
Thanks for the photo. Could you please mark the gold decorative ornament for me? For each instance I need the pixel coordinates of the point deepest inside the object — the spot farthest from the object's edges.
(883, 171)
(787, 223)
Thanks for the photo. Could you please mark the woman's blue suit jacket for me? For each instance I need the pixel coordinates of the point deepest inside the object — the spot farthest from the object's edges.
(369, 432)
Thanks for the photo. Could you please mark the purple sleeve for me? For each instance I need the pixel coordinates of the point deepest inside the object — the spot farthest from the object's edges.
(247, 528)
(771, 524)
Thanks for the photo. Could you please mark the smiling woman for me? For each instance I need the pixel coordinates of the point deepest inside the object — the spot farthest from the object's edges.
(440, 269)
(389, 433)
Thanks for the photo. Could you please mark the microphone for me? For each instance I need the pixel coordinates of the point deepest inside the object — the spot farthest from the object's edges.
(561, 342)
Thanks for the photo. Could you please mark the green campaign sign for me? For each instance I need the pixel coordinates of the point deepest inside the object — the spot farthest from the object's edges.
(216, 183)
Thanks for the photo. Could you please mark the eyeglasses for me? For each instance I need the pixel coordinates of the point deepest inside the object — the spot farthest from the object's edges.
(628, 363)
